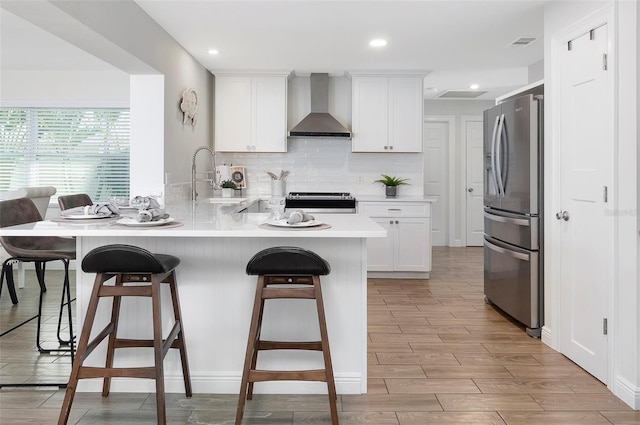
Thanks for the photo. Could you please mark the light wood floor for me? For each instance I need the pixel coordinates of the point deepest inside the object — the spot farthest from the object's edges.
(437, 355)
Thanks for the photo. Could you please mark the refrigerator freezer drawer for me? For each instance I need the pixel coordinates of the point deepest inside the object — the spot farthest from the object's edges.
(511, 281)
(514, 229)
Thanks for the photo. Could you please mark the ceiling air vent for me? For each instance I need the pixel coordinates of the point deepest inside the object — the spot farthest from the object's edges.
(461, 94)
(522, 42)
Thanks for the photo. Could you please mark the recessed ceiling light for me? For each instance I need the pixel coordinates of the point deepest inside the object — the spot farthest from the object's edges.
(474, 87)
(213, 52)
(378, 42)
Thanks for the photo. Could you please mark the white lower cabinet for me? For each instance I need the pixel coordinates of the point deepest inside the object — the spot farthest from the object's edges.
(407, 247)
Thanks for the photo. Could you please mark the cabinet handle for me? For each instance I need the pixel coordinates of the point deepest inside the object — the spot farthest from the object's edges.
(390, 221)
(386, 147)
(397, 222)
(391, 147)
(248, 147)
(394, 209)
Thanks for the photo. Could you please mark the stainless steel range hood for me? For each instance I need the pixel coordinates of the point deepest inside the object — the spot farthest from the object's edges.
(319, 123)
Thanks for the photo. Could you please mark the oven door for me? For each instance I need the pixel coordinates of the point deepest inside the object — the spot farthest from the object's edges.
(511, 281)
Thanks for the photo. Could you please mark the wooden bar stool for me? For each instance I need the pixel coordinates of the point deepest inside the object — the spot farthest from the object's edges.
(299, 270)
(138, 273)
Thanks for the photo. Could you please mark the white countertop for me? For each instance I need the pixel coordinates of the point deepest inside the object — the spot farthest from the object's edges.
(380, 198)
(207, 219)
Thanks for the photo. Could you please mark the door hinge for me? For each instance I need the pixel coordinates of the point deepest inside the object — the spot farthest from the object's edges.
(604, 326)
(604, 62)
(605, 194)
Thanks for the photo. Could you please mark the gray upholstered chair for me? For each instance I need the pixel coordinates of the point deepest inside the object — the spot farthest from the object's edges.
(71, 201)
(40, 195)
(39, 250)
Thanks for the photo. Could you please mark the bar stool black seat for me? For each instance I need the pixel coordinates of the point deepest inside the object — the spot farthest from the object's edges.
(299, 270)
(138, 273)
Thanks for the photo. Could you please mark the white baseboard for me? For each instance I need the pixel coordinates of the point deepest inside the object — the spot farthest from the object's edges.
(546, 337)
(627, 392)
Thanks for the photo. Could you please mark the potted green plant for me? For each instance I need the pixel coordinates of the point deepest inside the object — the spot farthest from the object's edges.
(391, 184)
(227, 187)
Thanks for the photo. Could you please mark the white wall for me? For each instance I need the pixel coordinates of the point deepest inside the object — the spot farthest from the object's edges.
(64, 88)
(625, 323)
(536, 71)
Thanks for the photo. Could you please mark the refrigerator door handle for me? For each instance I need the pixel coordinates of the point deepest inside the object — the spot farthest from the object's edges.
(498, 155)
(506, 252)
(493, 154)
(501, 219)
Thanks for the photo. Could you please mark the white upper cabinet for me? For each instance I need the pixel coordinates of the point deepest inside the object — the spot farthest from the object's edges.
(251, 113)
(387, 113)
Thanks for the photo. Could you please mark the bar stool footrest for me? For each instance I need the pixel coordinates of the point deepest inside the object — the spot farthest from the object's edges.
(117, 372)
(289, 345)
(288, 375)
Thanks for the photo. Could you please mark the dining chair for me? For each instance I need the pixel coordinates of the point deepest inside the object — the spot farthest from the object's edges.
(38, 250)
(4, 255)
(71, 201)
(40, 195)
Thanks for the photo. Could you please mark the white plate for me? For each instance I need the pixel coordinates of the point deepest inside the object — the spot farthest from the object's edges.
(86, 216)
(283, 223)
(132, 222)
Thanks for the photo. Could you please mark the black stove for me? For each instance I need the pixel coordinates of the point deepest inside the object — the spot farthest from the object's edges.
(321, 202)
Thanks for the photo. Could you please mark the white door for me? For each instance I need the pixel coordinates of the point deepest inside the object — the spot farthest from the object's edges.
(586, 228)
(436, 170)
(474, 187)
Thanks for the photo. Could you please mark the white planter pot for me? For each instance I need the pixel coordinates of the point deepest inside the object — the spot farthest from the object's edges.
(277, 188)
(227, 193)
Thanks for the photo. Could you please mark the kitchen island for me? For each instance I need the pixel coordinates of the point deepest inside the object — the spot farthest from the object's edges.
(214, 244)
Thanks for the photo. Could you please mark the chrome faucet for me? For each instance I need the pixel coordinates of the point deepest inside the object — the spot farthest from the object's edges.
(194, 178)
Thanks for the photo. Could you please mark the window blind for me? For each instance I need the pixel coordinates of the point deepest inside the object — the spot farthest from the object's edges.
(76, 150)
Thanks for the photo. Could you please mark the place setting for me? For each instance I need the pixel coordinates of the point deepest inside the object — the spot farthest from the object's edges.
(149, 214)
(89, 213)
(295, 220)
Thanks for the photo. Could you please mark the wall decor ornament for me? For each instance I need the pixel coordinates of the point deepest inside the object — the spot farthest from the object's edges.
(189, 106)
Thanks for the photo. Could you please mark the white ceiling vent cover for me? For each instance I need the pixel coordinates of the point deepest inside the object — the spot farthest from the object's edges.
(461, 94)
(522, 42)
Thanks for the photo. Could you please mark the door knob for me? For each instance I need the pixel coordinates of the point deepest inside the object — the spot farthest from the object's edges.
(562, 215)
(470, 190)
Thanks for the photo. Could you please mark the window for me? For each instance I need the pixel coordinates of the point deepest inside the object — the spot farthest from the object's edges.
(76, 150)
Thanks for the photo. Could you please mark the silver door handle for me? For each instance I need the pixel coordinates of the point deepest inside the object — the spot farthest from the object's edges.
(508, 220)
(470, 190)
(507, 252)
(562, 215)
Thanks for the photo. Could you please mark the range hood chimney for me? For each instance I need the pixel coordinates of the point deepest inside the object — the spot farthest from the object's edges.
(319, 123)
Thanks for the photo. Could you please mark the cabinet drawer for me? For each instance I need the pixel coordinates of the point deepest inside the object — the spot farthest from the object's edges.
(394, 209)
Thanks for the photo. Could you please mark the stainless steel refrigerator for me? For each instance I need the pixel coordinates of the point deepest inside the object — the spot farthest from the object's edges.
(513, 243)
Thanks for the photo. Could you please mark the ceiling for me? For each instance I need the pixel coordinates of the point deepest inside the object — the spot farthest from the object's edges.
(457, 43)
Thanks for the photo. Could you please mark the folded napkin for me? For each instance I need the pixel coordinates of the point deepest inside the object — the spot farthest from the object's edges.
(104, 209)
(152, 213)
(299, 216)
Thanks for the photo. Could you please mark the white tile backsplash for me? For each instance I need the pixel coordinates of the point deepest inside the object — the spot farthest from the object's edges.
(327, 165)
